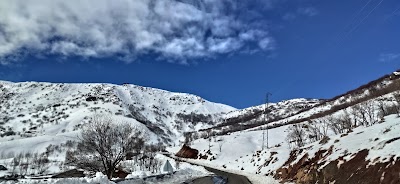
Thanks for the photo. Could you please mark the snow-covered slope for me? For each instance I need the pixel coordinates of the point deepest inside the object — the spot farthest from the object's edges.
(365, 153)
(276, 110)
(300, 110)
(372, 151)
(35, 115)
(50, 111)
(256, 116)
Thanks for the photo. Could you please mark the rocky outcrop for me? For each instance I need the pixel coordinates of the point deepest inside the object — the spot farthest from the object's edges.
(355, 170)
(187, 152)
(74, 173)
(120, 173)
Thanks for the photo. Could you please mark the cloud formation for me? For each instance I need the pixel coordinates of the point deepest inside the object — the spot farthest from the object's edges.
(388, 57)
(177, 29)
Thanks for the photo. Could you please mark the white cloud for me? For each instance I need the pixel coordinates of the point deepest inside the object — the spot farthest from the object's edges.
(388, 57)
(128, 28)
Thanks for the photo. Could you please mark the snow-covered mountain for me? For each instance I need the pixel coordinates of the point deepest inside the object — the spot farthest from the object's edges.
(257, 115)
(300, 110)
(351, 138)
(34, 109)
(34, 116)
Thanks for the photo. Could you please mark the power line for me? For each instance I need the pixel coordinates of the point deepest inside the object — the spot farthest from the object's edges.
(355, 27)
(349, 25)
(392, 14)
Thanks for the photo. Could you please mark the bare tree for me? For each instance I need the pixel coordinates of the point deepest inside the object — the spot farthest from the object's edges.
(318, 128)
(157, 165)
(15, 163)
(365, 113)
(397, 99)
(383, 110)
(346, 121)
(221, 142)
(195, 136)
(313, 130)
(177, 164)
(324, 126)
(42, 163)
(188, 138)
(104, 144)
(296, 135)
(23, 167)
(210, 134)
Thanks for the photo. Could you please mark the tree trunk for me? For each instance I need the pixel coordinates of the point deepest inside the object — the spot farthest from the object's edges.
(110, 170)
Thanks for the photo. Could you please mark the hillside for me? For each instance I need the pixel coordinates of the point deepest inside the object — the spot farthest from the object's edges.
(300, 110)
(256, 116)
(351, 138)
(309, 140)
(365, 155)
(31, 110)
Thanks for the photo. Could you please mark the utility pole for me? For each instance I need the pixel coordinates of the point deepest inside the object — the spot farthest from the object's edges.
(241, 124)
(191, 117)
(266, 119)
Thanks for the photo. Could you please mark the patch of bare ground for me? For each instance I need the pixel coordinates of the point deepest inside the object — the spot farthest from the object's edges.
(357, 170)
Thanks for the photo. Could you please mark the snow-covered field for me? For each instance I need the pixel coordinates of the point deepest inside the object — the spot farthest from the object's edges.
(185, 172)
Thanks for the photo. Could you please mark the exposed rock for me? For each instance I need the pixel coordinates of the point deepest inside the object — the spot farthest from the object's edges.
(324, 140)
(355, 170)
(187, 152)
(120, 174)
(74, 173)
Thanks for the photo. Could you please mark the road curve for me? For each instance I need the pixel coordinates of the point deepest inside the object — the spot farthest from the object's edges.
(232, 178)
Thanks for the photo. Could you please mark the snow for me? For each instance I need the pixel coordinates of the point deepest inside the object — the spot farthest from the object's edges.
(99, 178)
(36, 112)
(238, 148)
(237, 152)
(47, 110)
(43, 114)
(282, 109)
(241, 151)
(184, 173)
(373, 138)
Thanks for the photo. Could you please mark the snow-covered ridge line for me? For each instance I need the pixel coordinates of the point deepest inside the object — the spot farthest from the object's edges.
(256, 116)
(29, 109)
(374, 89)
(298, 110)
(382, 86)
(115, 85)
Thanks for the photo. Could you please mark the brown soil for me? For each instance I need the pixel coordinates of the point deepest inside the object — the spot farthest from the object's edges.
(354, 171)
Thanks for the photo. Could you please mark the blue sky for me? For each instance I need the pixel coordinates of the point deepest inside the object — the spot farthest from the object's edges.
(223, 51)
